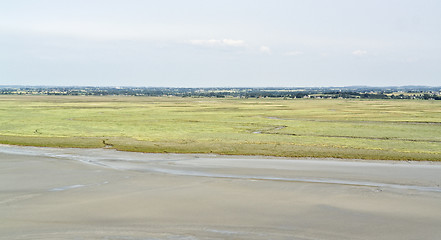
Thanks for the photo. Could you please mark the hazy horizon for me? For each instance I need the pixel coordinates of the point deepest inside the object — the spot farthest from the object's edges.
(227, 43)
(226, 87)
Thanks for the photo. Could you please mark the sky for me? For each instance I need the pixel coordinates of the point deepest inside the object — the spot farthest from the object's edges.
(220, 43)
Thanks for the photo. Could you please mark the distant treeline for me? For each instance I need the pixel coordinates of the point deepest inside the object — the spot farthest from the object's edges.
(406, 92)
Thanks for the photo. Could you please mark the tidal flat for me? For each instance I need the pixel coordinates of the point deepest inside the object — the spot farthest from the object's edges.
(71, 193)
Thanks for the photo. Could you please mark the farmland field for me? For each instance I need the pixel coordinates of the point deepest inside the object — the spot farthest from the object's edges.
(339, 128)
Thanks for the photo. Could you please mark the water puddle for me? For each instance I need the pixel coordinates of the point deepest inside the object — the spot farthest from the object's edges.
(66, 188)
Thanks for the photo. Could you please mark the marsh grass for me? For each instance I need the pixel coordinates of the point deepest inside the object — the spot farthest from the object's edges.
(366, 129)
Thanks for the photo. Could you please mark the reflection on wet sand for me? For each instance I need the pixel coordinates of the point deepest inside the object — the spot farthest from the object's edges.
(48, 193)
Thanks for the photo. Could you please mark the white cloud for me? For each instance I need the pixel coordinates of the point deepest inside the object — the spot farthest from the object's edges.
(93, 31)
(359, 52)
(234, 43)
(293, 53)
(219, 43)
(230, 43)
(265, 49)
(100, 31)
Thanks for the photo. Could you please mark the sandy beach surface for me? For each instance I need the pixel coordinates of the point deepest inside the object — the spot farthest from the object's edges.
(49, 193)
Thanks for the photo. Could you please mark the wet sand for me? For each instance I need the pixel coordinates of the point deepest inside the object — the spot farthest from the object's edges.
(48, 193)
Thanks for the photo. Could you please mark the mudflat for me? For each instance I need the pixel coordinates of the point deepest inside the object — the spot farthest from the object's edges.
(66, 193)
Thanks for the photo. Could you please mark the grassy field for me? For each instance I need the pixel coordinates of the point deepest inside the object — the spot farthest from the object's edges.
(365, 129)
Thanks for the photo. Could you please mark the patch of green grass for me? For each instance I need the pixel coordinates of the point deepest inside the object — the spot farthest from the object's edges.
(367, 129)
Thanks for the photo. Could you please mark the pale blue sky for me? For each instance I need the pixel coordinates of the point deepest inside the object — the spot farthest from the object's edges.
(204, 43)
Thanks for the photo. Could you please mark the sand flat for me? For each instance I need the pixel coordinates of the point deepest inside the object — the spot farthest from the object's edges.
(48, 193)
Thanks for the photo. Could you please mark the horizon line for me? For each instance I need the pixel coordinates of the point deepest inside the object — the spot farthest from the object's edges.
(225, 87)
